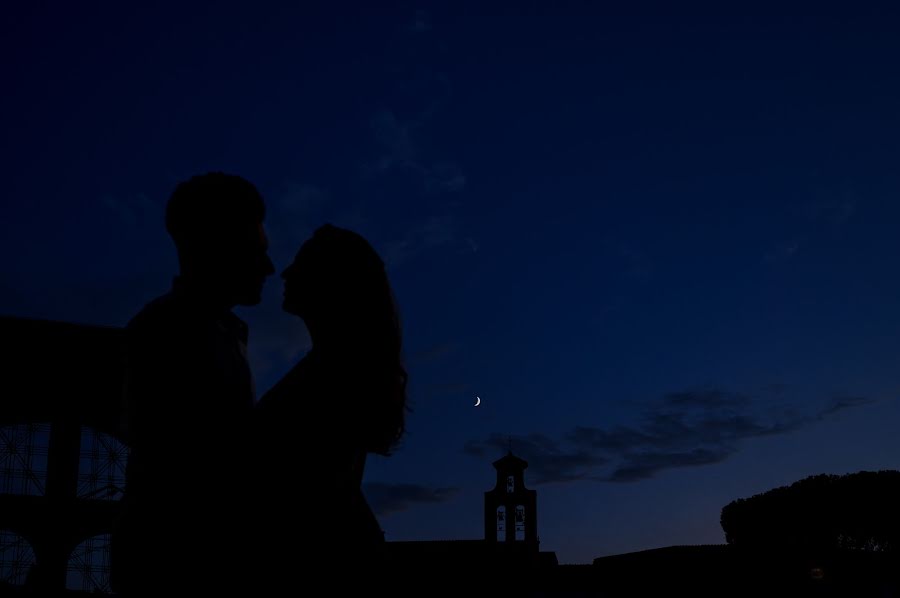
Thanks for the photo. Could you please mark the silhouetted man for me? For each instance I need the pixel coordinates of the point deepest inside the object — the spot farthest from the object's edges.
(189, 394)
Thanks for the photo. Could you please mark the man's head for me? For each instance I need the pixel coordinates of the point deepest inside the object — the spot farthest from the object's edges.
(216, 221)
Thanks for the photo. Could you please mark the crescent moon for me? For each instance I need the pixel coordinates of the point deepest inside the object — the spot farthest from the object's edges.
(477, 401)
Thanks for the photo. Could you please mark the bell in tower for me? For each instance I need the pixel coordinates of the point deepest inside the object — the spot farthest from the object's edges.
(510, 509)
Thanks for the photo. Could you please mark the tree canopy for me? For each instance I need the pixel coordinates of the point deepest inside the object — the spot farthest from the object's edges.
(857, 511)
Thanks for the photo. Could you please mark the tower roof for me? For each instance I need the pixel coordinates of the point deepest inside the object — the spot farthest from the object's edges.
(510, 461)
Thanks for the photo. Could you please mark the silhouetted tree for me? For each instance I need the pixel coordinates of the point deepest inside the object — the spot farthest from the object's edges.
(857, 511)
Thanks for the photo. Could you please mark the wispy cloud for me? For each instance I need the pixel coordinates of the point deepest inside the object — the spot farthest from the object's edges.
(392, 498)
(400, 151)
(683, 429)
(845, 403)
(437, 231)
(548, 460)
(645, 465)
(405, 155)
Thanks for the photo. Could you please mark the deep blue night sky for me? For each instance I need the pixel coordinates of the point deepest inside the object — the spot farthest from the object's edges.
(661, 246)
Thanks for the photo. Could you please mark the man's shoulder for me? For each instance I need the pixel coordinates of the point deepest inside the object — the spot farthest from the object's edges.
(166, 329)
(167, 320)
(174, 320)
(160, 313)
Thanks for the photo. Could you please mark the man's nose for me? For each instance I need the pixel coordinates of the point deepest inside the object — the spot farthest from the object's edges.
(270, 267)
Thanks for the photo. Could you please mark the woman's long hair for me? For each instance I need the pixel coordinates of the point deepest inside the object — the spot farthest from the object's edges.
(348, 294)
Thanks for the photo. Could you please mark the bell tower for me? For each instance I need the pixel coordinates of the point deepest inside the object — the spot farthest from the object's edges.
(510, 509)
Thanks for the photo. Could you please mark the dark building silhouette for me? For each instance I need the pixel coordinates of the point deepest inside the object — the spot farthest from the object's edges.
(61, 464)
(508, 558)
(510, 509)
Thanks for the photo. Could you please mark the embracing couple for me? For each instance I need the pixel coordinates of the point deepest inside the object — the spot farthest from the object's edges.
(226, 493)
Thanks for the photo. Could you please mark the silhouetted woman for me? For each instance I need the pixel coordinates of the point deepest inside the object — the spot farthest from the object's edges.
(346, 398)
